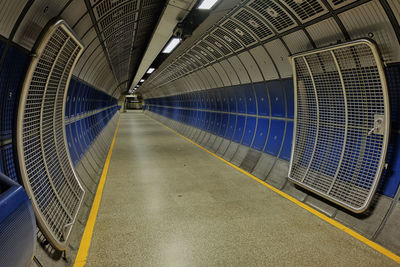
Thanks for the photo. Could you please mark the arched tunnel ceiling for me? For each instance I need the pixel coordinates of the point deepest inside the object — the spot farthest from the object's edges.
(115, 33)
(252, 41)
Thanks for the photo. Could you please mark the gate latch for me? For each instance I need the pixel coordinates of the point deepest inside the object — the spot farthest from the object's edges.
(379, 125)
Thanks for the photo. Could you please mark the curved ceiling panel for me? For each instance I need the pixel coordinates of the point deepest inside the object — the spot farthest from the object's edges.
(271, 31)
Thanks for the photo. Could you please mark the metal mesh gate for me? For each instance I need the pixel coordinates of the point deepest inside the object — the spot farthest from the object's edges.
(45, 164)
(342, 123)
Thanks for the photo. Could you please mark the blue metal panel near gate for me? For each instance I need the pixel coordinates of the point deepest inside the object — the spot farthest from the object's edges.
(262, 99)
(249, 131)
(231, 126)
(241, 120)
(250, 100)
(224, 125)
(275, 137)
(277, 99)
(287, 143)
(240, 99)
(261, 134)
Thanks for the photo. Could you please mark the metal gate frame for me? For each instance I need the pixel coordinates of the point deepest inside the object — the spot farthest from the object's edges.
(385, 131)
(39, 48)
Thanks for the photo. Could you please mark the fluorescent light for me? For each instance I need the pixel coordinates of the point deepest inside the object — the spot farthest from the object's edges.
(150, 70)
(171, 45)
(207, 4)
(142, 80)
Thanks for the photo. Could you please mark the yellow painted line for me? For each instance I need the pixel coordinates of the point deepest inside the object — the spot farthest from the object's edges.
(338, 225)
(83, 251)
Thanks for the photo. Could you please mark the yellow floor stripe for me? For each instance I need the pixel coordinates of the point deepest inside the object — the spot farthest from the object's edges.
(338, 225)
(83, 251)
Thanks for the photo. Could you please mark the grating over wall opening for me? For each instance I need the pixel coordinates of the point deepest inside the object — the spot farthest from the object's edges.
(272, 12)
(340, 3)
(195, 54)
(45, 163)
(260, 29)
(224, 49)
(214, 51)
(240, 32)
(342, 123)
(106, 6)
(306, 9)
(206, 53)
(226, 38)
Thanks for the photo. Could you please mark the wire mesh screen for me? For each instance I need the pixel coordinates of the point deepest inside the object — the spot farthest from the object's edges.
(342, 123)
(45, 164)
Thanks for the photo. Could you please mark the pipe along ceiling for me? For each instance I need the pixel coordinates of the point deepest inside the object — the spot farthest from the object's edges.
(303, 94)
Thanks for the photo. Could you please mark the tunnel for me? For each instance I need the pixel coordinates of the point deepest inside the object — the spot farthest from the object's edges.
(199, 132)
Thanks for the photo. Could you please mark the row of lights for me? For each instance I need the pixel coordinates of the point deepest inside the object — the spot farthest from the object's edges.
(174, 42)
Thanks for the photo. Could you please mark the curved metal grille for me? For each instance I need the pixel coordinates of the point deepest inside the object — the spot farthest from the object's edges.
(342, 123)
(45, 164)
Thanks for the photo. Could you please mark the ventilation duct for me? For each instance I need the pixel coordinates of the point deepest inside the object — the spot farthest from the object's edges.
(341, 127)
(45, 164)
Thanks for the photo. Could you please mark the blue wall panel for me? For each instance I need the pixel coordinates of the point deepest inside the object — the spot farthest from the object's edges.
(289, 90)
(262, 99)
(287, 143)
(261, 134)
(249, 132)
(392, 175)
(212, 122)
(231, 127)
(250, 100)
(12, 75)
(232, 100)
(275, 137)
(240, 123)
(225, 100)
(217, 124)
(224, 125)
(240, 99)
(277, 98)
(11, 78)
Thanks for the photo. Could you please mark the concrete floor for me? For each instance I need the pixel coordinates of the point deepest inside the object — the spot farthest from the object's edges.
(168, 203)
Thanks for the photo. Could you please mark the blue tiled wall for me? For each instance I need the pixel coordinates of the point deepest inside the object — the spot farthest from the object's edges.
(256, 115)
(261, 116)
(11, 78)
(84, 103)
(81, 99)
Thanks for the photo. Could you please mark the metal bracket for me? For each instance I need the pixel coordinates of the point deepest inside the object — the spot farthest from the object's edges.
(379, 124)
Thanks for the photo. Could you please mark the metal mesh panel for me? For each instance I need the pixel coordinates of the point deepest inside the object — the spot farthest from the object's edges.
(107, 6)
(272, 12)
(116, 24)
(224, 49)
(211, 49)
(46, 167)
(261, 30)
(340, 3)
(191, 61)
(206, 53)
(306, 9)
(195, 54)
(226, 38)
(342, 123)
(239, 32)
